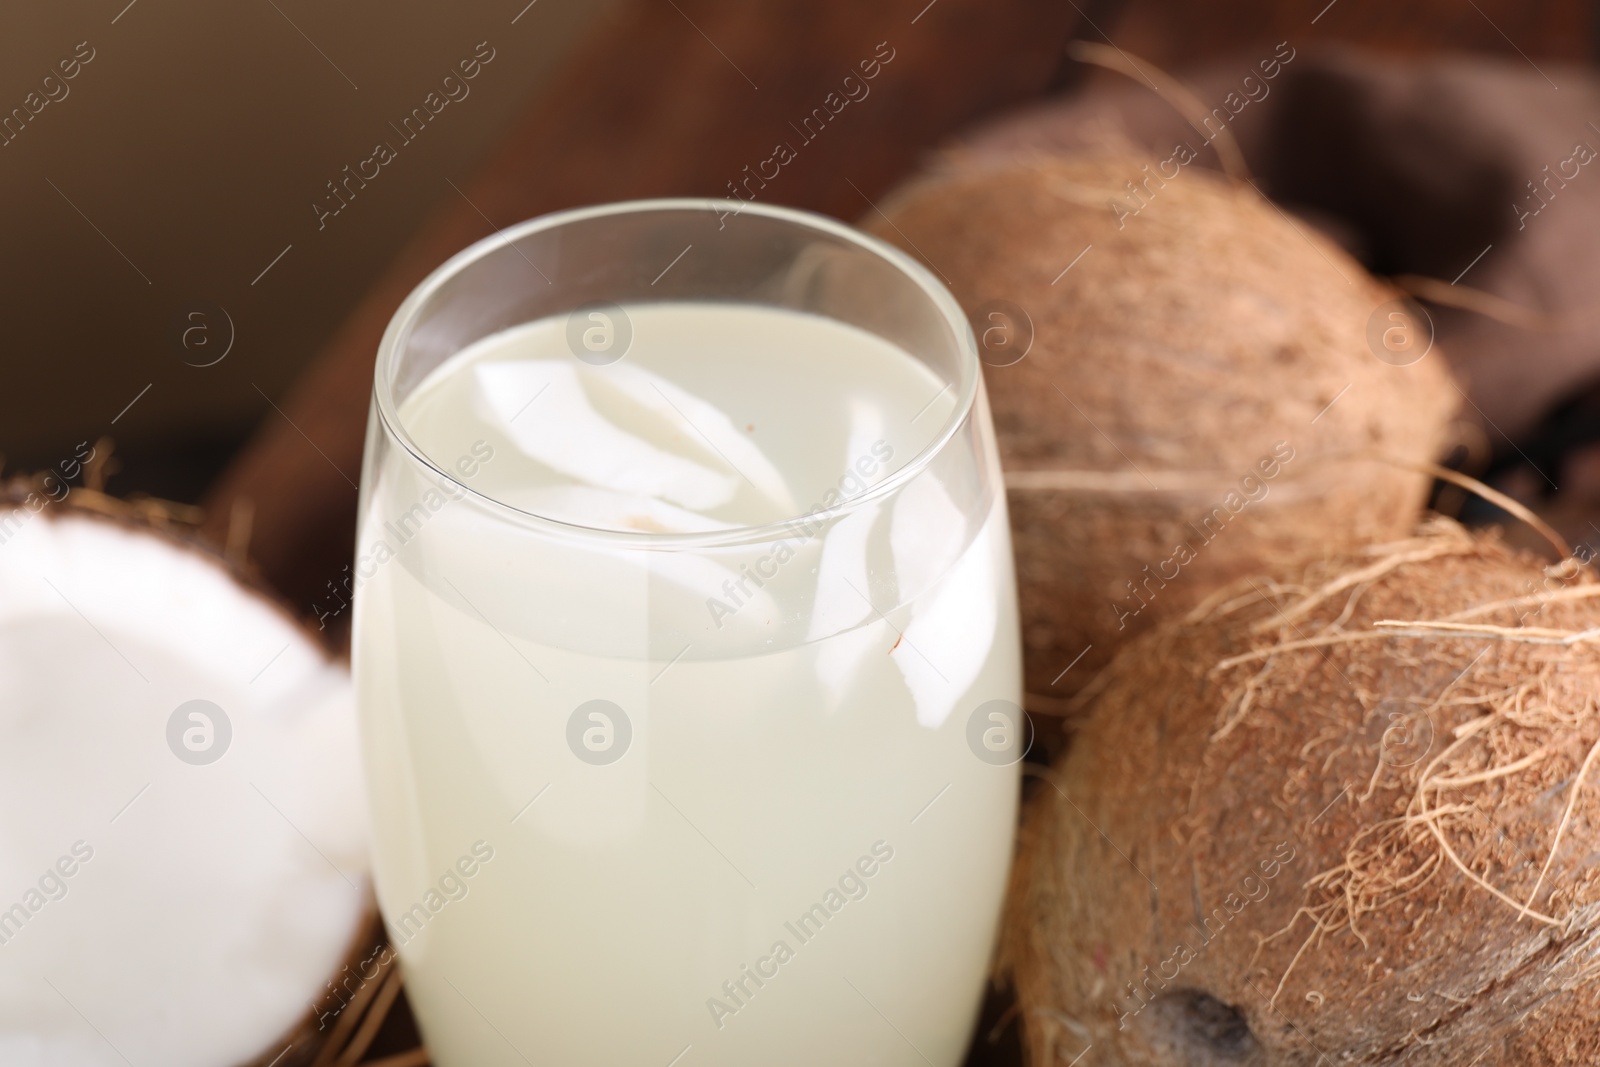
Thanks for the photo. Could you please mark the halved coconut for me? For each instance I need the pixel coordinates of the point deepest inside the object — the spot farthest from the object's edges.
(183, 833)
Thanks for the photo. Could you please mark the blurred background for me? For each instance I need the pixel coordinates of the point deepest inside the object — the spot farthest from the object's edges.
(183, 159)
(181, 168)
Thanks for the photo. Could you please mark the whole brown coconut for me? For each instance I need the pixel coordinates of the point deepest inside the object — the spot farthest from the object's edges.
(1348, 818)
(1181, 378)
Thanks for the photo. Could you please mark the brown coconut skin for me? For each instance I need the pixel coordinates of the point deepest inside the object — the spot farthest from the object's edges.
(1152, 823)
(1189, 341)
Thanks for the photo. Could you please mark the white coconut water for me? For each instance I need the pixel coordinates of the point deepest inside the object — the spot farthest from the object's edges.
(640, 802)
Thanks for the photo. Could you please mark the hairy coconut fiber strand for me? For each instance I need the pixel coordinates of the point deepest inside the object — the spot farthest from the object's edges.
(1197, 391)
(1352, 813)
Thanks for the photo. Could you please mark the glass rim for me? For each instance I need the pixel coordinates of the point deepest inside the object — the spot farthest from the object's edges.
(406, 315)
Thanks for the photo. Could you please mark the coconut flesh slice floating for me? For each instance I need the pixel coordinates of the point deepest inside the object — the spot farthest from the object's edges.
(183, 840)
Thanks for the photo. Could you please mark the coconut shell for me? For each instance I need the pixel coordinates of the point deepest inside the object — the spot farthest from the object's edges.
(1168, 354)
(1353, 813)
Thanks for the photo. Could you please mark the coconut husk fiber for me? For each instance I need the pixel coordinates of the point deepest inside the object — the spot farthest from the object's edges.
(1197, 399)
(1352, 812)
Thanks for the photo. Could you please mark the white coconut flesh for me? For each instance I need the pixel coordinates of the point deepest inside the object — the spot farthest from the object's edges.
(155, 909)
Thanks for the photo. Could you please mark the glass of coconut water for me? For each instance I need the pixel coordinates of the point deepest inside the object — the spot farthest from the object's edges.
(686, 645)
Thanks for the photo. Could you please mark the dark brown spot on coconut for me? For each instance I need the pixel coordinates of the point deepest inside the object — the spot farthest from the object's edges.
(1197, 1030)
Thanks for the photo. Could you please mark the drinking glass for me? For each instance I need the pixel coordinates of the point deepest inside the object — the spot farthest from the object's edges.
(614, 824)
